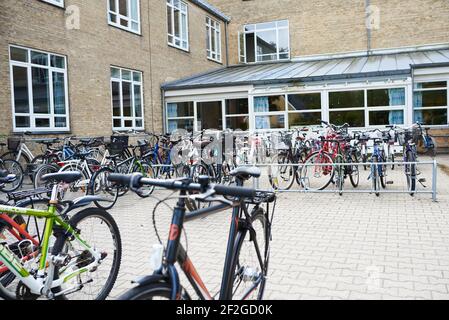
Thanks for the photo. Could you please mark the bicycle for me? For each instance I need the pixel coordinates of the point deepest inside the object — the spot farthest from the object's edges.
(241, 278)
(66, 270)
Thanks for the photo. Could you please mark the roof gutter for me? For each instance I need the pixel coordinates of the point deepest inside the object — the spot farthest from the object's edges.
(211, 9)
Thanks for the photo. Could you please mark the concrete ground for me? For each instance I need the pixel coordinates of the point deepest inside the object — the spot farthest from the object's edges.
(325, 246)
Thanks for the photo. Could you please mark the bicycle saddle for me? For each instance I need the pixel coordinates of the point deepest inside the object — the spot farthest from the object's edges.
(245, 173)
(67, 177)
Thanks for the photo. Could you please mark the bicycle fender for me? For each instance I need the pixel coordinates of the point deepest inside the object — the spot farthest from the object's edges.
(155, 278)
(84, 201)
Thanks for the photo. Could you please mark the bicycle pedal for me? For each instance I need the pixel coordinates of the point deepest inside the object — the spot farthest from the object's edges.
(422, 180)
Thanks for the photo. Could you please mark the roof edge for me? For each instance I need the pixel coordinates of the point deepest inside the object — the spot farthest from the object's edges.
(211, 9)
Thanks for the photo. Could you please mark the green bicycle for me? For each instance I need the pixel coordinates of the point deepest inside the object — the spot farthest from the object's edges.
(66, 264)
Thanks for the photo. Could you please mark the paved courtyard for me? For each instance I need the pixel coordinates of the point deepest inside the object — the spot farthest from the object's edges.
(325, 246)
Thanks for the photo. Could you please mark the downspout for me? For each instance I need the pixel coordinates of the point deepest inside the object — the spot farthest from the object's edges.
(368, 29)
(227, 43)
(164, 126)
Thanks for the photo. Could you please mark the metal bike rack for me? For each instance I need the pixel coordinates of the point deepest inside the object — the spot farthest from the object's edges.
(433, 191)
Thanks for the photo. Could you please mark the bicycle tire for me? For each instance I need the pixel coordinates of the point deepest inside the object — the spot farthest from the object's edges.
(375, 176)
(40, 172)
(329, 172)
(354, 181)
(236, 267)
(148, 292)
(411, 175)
(60, 246)
(13, 167)
(93, 190)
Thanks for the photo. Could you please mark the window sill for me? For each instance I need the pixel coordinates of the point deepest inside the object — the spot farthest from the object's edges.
(216, 61)
(40, 133)
(139, 33)
(54, 4)
(178, 48)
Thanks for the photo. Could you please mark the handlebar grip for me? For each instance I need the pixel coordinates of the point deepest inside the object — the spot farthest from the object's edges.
(125, 179)
(235, 191)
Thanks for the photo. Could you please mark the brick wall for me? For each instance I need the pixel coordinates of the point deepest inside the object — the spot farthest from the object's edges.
(91, 51)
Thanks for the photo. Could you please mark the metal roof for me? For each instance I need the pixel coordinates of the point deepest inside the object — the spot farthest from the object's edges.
(377, 65)
(211, 9)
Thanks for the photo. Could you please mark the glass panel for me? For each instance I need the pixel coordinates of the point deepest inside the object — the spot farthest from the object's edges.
(386, 97)
(57, 62)
(431, 117)
(283, 40)
(437, 98)
(169, 20)
(20, 79)
(304, 119)
(235, 123)
(137, 101)
(177, 21)
(135, 26)
(126, 75)
(250, 49)
(113, 18)
(117, 123)
(42, 123)
(59, 92)
(266, 42)
(266, 25)
(22, 122)
(237, 106)
(186, 124)
(380, 118)
(270, 122)
(347, 99)
(39, 58)
(128, 123)
(19, 54)
(269, 104)
(124, 22)
(284, 56)
(137, 76)
(139, 123)
(116, 99)
(207, 38)
(115, 73)
(309, 101)
(134, 10)
(112, 5)
(126, 97)
(353, 118)
(60, 122)
(213, 41)
(41, 90)
(180, 109)
(210, 115)
(429, 85)
(184, 26)
(123, 7)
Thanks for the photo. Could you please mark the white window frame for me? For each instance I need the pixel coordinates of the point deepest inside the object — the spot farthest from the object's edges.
(134, 117)
(32, 116)
(183, 11)
(58, 3)
(277, 28)
(271, 113)
(213, 27)
(122, 17)
(318, 110)
(181, 118)
(414, 89)
(235, 115)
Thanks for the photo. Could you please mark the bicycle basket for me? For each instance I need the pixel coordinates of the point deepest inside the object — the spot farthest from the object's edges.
(118, 144)
(14, 143)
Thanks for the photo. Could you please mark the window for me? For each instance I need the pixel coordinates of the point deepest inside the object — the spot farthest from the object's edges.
(209, 115)
(237, 114)
(347, 107)
(270, 112)
(386, 106)
(59, 3)
(180, 115)
(430, 103)
(265, 42)
(213, 39)
(304, 109)
(177, 23)
(127, 99)
(39, 90)
(124, 14)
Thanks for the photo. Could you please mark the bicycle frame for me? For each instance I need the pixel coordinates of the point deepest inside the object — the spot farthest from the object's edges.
(24, 149)
(43, 282)
(176, 253)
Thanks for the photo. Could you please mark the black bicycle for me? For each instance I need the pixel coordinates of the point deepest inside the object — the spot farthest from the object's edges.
(247, 254)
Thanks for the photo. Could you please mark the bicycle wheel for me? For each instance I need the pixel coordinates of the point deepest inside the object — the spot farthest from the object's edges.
(148, 172)
(79, 187)
(316, 174)
(375, 176)
(282, 174)
(100, 186)
(339, 176)
(382, 168)
(153, 291)
(40, 172)
(249, 265)
(12, 167)
(99, 231)
(354, 172)
(410, 172)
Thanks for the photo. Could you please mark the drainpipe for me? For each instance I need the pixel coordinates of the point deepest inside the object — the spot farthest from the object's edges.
(164, 128)
(227, 44)
(368, 29)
